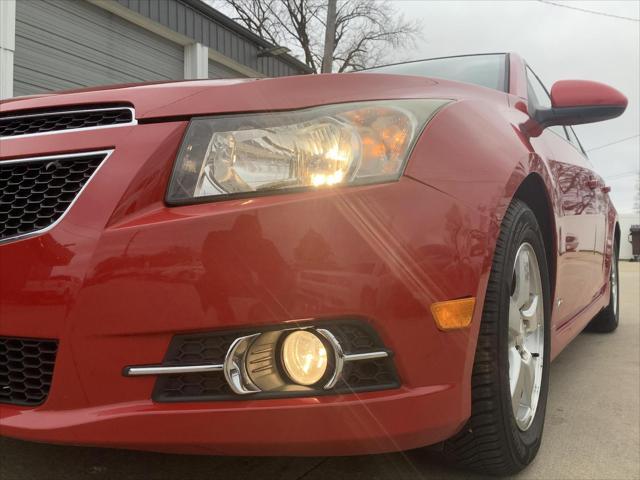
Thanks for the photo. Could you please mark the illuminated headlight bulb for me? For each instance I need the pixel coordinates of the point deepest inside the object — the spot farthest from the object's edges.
(304, 357)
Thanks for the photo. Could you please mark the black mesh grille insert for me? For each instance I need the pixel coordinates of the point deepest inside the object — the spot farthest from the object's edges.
(36, 193)
(26, 368)
(366, 374)
(14, 125)
(197, 349)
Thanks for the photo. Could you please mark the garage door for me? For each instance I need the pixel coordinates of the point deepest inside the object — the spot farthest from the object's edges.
(217, 70)
(71, 44)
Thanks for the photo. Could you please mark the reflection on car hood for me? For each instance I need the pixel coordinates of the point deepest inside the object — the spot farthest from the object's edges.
(202, 97)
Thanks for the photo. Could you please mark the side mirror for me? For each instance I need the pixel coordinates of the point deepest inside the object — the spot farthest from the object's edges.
(580, 101)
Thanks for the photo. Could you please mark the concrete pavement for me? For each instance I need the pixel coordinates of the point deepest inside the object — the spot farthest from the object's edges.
(592, 429)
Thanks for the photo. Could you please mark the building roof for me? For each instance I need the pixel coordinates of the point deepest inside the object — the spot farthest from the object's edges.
(231, 24)
(204, 24)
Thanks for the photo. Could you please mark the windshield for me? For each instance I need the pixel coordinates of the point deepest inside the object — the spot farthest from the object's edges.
(485, 70)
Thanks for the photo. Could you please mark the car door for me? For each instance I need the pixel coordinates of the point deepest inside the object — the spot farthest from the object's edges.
(579, 263)
(601, 207)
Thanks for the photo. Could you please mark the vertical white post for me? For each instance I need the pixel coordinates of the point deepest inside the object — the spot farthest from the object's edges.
(7, 46)
(196, 61)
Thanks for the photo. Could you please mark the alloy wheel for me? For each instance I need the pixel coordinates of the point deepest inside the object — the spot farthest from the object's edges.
(526, 336)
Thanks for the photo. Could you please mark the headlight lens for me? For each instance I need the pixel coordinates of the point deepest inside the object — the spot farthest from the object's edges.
(304, 357)
(318, 147)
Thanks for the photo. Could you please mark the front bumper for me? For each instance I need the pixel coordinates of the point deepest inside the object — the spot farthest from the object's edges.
(122, 273)
(342, 425)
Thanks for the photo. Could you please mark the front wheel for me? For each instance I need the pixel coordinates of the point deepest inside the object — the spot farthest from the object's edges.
(510, 377)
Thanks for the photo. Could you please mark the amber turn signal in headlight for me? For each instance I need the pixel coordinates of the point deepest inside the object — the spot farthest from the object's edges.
(345, 144)
(453, 314)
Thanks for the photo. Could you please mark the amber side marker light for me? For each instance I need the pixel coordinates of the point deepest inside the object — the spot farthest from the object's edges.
(453, 314)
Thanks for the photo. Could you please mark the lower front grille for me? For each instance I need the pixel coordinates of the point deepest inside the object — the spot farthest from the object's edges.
(26, 370)
(355, 336)
(35, 193)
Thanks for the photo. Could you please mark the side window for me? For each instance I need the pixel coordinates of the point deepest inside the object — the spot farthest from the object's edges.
(574, 140)
(539, 98)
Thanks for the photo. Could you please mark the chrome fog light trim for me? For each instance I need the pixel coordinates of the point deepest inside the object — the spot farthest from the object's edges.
(235, 366)
(354, 357)
(169, 370)
(338, 356)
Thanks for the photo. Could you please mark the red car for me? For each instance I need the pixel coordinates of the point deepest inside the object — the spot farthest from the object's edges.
(313, 265)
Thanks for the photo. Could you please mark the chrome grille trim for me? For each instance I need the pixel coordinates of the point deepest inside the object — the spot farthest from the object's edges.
(105, 153)
(54, 113)
(170, 370)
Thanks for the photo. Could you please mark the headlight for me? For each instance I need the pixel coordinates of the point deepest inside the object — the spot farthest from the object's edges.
(354, 143)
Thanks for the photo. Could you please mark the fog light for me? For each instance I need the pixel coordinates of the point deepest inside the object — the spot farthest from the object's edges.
(304, 357)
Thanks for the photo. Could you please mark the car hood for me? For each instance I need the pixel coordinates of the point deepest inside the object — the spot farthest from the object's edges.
(201, 97)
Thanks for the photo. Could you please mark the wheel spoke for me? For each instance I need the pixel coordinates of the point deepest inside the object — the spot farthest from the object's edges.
(522, 384)
(515, 320)
(523, 280)
(530, 314)
(516, 379)
(527, 371)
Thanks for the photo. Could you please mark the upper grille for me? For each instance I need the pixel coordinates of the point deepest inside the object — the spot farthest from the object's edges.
(26, 369)
(35, 193)
(52, 121)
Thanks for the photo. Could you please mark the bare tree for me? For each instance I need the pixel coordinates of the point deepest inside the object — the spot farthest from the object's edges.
(366, 31)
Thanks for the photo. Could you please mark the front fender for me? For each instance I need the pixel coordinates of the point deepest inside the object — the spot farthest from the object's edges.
(475, 151)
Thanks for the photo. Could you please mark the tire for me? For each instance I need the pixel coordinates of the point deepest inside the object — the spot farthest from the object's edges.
(607, 320)
(493, 441)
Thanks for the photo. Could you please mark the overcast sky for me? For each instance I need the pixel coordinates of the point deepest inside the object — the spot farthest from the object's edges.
(559, 43)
